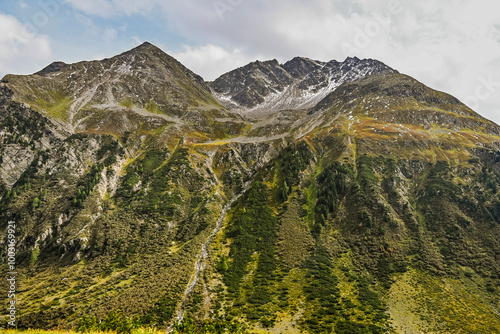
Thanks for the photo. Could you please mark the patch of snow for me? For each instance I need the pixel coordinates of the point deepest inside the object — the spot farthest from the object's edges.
(125, 69)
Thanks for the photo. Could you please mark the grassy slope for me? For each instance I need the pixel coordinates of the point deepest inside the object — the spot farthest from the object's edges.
(342, 229)
(309, 252)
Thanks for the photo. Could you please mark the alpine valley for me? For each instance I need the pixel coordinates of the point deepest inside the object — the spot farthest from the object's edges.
(304, 197)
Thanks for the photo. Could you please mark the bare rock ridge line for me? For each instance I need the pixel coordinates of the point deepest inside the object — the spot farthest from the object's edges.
(146, 78)
(297, 84)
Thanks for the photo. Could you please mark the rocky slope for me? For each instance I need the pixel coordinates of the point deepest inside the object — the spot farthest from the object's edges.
(298, 84)
(306, 197)
(112, 95)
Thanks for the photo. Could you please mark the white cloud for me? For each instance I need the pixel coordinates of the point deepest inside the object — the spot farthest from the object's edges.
(137, 40)
(109, 34)
(211, 60)
(88, 24)
(102, 8)
(110, 8)
(21, 47)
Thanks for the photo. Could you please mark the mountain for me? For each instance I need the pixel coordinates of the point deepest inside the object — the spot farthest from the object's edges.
(137, 83)
(305, 197)
(298, 84)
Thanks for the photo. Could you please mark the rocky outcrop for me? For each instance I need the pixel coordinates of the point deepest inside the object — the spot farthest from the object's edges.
(298, 84)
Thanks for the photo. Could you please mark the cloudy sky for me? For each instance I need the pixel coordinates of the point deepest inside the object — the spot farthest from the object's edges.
(450, 45)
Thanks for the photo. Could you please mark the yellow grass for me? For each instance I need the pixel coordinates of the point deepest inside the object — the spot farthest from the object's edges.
(41, 331)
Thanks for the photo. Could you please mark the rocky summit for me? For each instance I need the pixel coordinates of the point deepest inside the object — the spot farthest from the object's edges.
(298, 84)
(304, 197)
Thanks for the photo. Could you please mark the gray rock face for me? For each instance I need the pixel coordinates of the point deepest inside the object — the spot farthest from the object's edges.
(54, 67)
(249, 85)
(23, 134)
(300, 67)
(299, 83)
(15, 160)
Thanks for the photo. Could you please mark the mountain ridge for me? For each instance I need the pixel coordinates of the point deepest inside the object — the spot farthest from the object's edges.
(371, 205)
(300, 82)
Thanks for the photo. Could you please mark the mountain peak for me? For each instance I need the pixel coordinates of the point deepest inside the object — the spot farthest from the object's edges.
(146, 46)
(299, 83)
(352, 59)
(302, 66)
(53, 67)
(299, 59)
(130, 80)
(259, 63)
